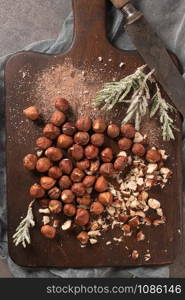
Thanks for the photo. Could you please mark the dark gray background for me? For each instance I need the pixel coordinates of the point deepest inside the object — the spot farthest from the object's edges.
(24, 22)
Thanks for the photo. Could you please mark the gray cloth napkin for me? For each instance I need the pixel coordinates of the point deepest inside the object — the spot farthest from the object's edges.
(167, 17)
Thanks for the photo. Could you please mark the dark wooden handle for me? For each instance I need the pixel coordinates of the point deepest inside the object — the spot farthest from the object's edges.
(89, 23)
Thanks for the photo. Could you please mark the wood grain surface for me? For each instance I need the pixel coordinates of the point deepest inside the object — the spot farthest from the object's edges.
(29, 79)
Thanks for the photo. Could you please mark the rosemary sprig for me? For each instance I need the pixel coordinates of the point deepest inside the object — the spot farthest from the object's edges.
(22, 234)
(162, 107)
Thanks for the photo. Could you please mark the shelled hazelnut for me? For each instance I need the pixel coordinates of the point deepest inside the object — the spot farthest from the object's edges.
(81, 138)
(55, 206)
(44, 203)
(85, 200)
(83, 164)
(125, 144)
(55, 172)
(82, 217)
(107, 155)
(98, 139)
(43, 143)
(89, 181)
(31, 113)
(120, 163)
(48, 231)
(78, 189)
(37, 191)
(43, 164)
(96, 208)
(54, 154)
(101, 184)
(84, 124)
(54, 193)
(138, 149)
(76, 152)
(83, 237)
(29, 161)
(51, 131)
(69, 128)
(67, 196)
(105, 198)
(61, 104)
(64, 141)
(77, 175)
(57, 118)
(128, 131)
(153, 156)
(69, 210)
(99, 125)
(47, 182)
(94, 166)
(91, 152)
(66, 166)
(113, 131)
(107, 169)
(65, 182)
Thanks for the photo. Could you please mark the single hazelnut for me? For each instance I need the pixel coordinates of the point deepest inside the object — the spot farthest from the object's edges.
(43, 143)
(54, 154)
(77, 175)
(128, 130)
(83, 164)
(76, 152)
(78, 189)
(44, 203)
(43, 164)
(125, 144)
(96, 208)
(135, 254)
(48, 231)
(29, 161)
(57, 118)
(89, 181)
(94, 167)
(69, 128)
(64, 141)
(51, 131)
(107, 155)
(66, 165)
(81, 138)
(123, 218)
(84, 124)
(85, 200)
(54, 193)
(99, 125)
(105, 198)
(31, 113)
(120, 163)
(83, 237)
(153, 156)
(101, 184)
(82, 217)
(113, 131)
(127, 229)
(37, 191)
(69, 210)
(55, 206)
(65, 182)
(134, 222)
(67, 196)
(91, 151)
(47, 182)
(98, 139)
(138, 149)
(55, 172)
(107, 169)
(61, 104)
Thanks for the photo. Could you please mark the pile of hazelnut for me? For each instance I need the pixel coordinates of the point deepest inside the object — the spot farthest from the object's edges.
(77, 165)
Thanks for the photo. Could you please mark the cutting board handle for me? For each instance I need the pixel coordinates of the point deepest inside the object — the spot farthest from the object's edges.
(89, 24)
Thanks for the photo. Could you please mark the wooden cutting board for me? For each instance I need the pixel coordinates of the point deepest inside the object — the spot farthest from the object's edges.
(37, 78)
